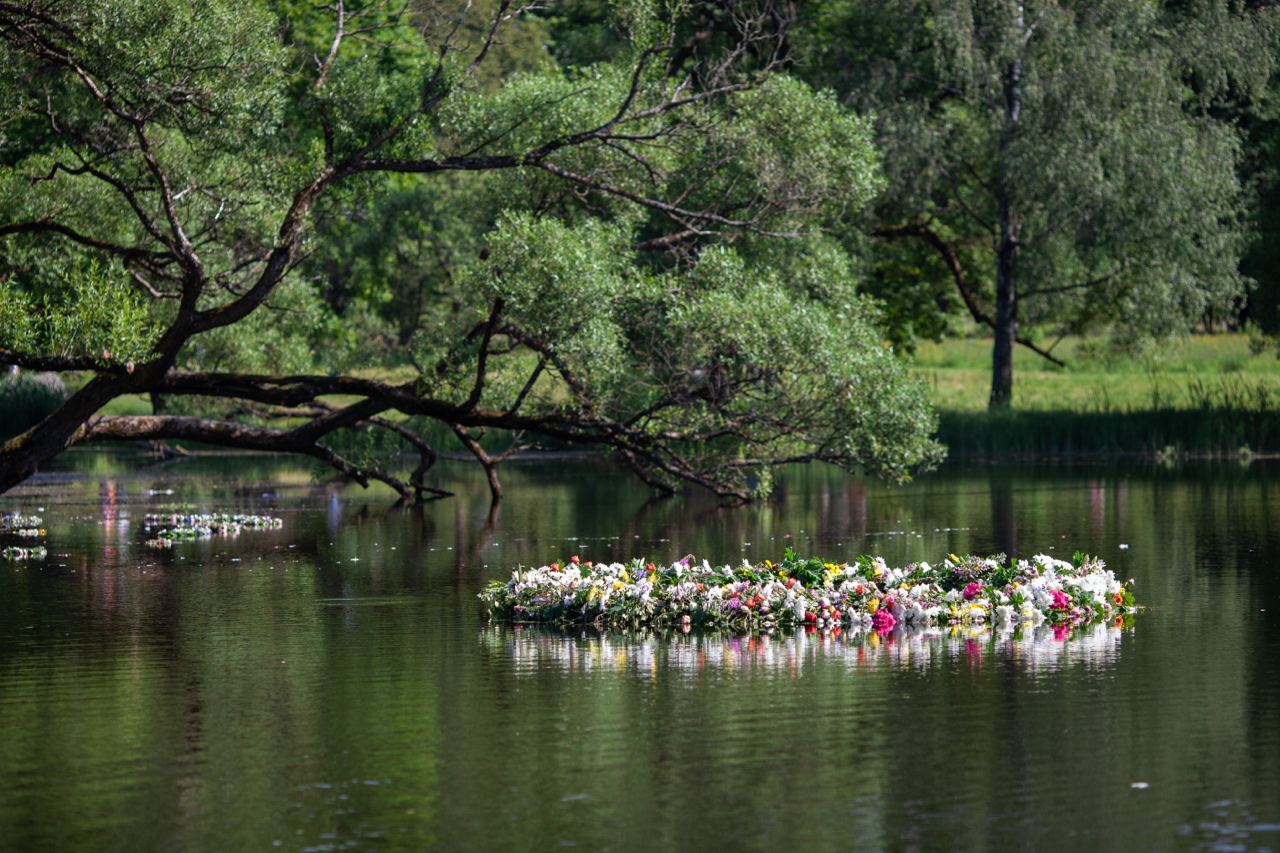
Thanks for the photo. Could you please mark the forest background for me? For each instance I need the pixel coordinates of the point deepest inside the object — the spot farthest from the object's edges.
(709, 237)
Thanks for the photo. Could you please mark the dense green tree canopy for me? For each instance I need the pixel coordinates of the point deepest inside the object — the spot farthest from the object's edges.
(286, 222)
(1057, 165)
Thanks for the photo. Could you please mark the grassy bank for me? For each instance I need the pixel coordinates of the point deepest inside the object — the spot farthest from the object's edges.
(1202, 395)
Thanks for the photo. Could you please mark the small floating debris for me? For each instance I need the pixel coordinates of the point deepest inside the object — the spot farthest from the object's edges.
(15, 553)
(812, 593)
(22, 526)
(173, 528)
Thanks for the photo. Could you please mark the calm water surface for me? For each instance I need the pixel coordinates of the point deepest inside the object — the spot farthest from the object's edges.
(334, 685)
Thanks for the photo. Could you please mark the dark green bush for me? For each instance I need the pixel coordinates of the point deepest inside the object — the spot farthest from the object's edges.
(25, 398)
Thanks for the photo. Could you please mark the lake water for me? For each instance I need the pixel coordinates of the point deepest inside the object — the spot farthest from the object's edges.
(335, 684)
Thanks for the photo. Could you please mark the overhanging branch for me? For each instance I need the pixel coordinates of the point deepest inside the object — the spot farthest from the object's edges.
(951, 260)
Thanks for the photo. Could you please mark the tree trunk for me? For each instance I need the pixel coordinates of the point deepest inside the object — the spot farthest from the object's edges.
(1006, 329)
(21, 455)
(1006, 324)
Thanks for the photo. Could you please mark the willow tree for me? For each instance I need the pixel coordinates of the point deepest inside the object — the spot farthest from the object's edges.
(1056, 162)
(164, 162)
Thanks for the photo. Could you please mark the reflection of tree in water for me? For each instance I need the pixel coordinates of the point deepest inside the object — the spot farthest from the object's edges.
(1004, 521)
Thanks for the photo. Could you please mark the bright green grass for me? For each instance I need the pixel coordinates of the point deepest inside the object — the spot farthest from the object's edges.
(1190, 373)
(129, 404)
(1199, 395)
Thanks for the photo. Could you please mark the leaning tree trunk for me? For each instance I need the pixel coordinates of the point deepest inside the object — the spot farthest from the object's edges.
(1006, 320)
(21, 455)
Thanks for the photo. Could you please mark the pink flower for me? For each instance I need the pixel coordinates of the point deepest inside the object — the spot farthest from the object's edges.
(972, 591)
(882, 620)
(1061, 601)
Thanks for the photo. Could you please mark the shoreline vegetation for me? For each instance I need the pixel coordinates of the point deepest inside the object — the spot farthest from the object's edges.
(1199, 397)
(801, 593)
(1213, 397)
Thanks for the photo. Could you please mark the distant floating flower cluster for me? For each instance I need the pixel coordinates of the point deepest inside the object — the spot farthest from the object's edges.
(1045, 648)
(168, 530)
(20, 553)
(865, 595)
(22, 526)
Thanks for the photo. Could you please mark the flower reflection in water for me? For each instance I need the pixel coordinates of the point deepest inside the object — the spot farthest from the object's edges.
(535, 648)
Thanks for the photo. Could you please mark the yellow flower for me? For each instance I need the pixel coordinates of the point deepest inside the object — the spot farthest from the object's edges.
(618, 584)
(626, 577)
(873, 605)
(782, 574)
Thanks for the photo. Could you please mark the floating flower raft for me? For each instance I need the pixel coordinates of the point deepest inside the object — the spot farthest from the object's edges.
(179, 527)
(14, 553)
(798, 593)
(22, 526)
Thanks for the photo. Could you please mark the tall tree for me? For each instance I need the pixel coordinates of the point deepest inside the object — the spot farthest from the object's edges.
(1052, 156)
(609, 278)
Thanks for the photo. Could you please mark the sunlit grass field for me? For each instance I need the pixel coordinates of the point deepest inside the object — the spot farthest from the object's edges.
(1200, 395)
(1189, 373)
